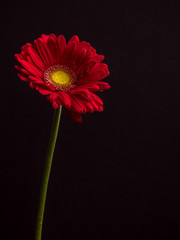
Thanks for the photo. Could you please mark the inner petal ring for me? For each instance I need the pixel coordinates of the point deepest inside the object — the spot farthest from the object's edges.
(62, 77)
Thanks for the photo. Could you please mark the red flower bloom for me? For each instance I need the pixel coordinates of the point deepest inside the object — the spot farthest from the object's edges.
(68, 73)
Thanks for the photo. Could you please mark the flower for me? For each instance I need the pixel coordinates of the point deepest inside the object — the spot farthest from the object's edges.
(68, 74)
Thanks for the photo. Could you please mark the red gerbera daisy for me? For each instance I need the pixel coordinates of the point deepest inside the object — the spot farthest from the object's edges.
(68, 74)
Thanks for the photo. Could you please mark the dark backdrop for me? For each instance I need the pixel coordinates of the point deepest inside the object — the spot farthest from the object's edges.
(116, 175)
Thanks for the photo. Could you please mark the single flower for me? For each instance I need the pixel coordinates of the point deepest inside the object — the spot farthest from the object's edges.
(68, 74)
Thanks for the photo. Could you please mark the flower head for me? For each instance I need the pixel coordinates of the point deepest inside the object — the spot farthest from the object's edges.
(68, 74)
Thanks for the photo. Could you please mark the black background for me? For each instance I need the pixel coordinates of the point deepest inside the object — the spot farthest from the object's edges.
(116, 175)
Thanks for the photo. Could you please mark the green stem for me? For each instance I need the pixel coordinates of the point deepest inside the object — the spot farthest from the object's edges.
(46, 173)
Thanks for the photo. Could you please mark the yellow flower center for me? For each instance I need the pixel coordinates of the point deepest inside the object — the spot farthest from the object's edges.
(62, 77)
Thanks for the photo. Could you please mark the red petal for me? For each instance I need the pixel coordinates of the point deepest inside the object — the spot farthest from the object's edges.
(85, 45)
(92, 87)
(79, 58)
(37, 80)
(44, 37)
(42, 89)
(55, 105)
(52, 97)
(75, 116)
(49, 86)
(85, 67)
(32, 85)
(96, 99)
(65, 98)
(74, 38)
(62, 44)
(88, 105)
(75, 106)
(31, 68)
(67, 55)
(103, 85)
(101, 66)
(21, 69)
(31, 62)
(23, 77)
(54, 49)
(101, 58)
(80, 102)
(42, 51)
(25, 47)
(95, 76)
(48, 52)
(98, 58)
(79, 90)
(36, 58)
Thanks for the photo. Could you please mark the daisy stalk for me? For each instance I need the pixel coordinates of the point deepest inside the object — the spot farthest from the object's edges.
(46, 172)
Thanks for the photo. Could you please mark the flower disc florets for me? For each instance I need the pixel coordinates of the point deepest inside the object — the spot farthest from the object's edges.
(62, 77)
